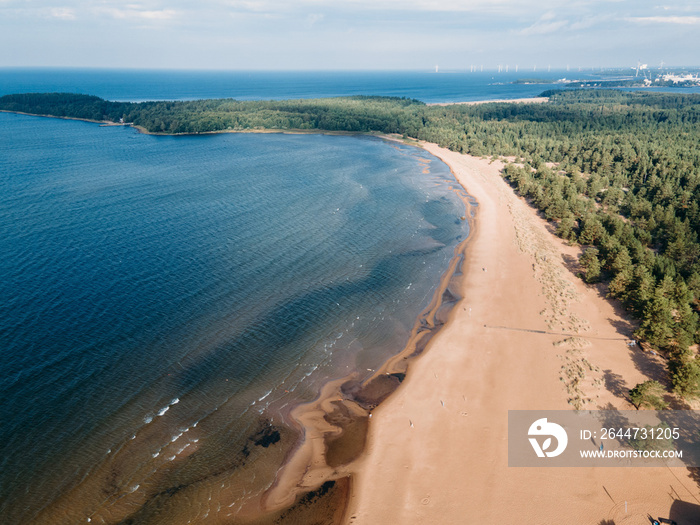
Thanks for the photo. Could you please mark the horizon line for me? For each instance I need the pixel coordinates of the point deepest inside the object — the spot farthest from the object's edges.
(431, 69)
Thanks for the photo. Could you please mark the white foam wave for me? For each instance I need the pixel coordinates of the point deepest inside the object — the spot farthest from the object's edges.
(263, 397)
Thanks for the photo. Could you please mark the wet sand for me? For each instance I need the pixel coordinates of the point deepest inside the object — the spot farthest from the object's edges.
(527, 335)
(334, 427)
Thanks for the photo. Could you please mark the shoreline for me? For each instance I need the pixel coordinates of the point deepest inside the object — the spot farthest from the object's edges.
(334, 426)
(100, 122)
(437, 449)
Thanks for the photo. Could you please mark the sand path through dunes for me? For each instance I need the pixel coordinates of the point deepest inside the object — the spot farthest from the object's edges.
(437, 448)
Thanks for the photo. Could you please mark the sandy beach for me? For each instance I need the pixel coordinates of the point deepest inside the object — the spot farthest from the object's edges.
(531, 100)
(437, 448)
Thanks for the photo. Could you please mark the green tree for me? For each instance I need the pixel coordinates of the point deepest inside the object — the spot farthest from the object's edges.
(621, 284)
(649, 393)
(565, 228)
(643, 284)
(592, 231)
(657, 321)
(685, 374)
(591, 265)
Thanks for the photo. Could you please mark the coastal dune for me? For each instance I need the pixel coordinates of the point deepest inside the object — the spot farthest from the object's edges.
(526, 335)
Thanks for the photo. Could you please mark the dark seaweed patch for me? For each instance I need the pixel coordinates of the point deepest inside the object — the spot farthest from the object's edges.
(267, 437)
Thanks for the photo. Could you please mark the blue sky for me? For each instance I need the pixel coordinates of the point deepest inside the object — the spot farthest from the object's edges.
(348, 34)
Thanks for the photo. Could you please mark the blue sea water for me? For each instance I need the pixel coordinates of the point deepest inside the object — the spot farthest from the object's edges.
(140, 85)
(429, 87)
(160, 293)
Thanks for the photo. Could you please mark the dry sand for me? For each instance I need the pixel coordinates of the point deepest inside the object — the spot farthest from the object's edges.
(437, 448)
(531, 100)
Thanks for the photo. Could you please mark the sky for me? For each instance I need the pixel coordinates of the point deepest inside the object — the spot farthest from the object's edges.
(348, 34)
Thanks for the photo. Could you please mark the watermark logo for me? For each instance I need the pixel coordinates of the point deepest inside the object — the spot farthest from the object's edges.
(603, 438)
(541, 428)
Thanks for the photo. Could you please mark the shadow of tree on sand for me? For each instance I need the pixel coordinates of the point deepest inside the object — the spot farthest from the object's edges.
(652, 366)
(694, 473)
(615, 384)
(571, 264)
(623, 327)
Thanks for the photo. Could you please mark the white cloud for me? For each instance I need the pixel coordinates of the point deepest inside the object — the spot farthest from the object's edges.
(136, 12)
(62, 13)
(589, 21)
(545, 25)
(679, 8)
(483, 6)
(148, 10)
(678, 20)
(257, 6)
(346, 33)
(539, 28)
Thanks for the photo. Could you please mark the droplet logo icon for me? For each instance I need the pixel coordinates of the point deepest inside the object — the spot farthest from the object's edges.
(543, 428)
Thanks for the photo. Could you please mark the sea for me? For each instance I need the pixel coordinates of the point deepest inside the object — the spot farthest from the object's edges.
(166, 302)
